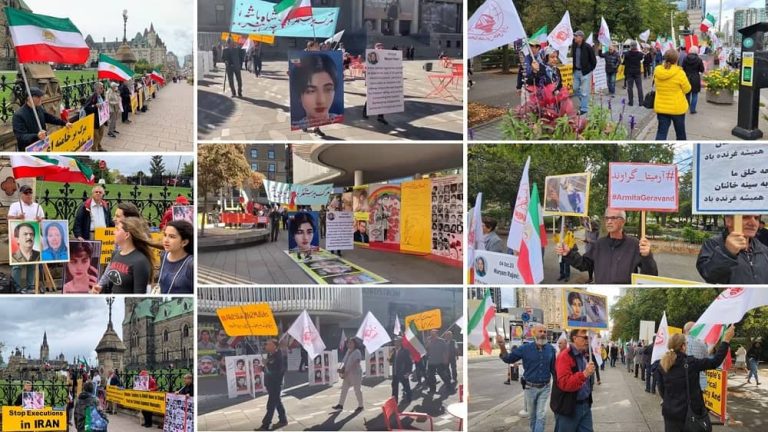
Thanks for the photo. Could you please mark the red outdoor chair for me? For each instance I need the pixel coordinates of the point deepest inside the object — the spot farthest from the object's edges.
(457, 73)
(390, 408)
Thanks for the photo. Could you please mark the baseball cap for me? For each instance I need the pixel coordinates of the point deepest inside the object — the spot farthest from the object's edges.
(35, 91)
(25, 189)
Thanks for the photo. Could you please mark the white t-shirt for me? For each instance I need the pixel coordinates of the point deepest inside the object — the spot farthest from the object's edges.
(97, 216)
(97, 381)
(30, 211)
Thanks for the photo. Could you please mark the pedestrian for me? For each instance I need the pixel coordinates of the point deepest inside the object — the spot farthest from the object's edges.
(177, 263)
(612, 62)
(323, 214)
(741, 358)
(622, 354)
(569, 242)
(630, 357)
(233, 61)
(84, 408)
(539, 369)
(597, 369)
(113, 97)
(25, 125)
(188, 388)
(492, 240)
(681, 54)
(304, 362)
(437, 350)
(670, 103)
(572, 395)
(274, 221)
(697, 349)
(584, 62)
(638, 358)
(274, 370)
(96, 379)
(614, 257)
(632, 73)
(351, 374)
(678, 378)
(590, 239)
(614, 354)
(604, 356)
(647, 355)
(256, 59)
(753, 357)
(693, 67)
(453, 354)
(146, 415)
(402, 366)
(735, 257)
(647, 61)
(380, 117)
(91, 107)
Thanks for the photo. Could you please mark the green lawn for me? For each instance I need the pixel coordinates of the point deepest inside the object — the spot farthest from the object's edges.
(73, 75)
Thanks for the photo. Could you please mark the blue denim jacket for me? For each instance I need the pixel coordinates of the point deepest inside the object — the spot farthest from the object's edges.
(539, 364)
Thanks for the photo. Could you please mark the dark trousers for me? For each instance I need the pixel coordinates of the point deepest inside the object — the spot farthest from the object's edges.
(126, 108)
(275, 231)
(396, 382)
(274, 403)
(613, 361)
(322, 229)
(452, 368)
(234, 72)
(147, 418)
(632, 81)
(637, 369)
(642, 372)
(673, 426)
(257, 66)
(565, 270)
(440, 369)
(664, 122)
(650, 380)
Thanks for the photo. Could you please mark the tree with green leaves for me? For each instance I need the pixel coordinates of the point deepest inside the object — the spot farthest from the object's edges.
(156, 169)
(220, 165)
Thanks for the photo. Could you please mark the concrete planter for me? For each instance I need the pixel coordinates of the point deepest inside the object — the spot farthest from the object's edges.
(720, 97)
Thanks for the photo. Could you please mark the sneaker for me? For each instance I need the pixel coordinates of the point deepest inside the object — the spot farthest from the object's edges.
(117, 132)
(280, 424)
(358, 409)
(337, 407)
(263, 428)
(507, 382)
(112, 135)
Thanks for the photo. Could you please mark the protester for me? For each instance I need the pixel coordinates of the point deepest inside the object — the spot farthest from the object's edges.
(590, 239)
(639, 359)
(633, 74)
(753, 356)
(735, 257)
(181, 200)
(274, 220)
(534, 58)
(453, 354)
(91, 107)
(84, 405)
(25, 209)
(572, 393)
(693, 67)
(177, 275)
(648, 56)
(650, 379)
(130, 269)
(570, 242)
(630, 357)
(670, 103)
(26, 389)
(678, 379)
(697, 349)
(351, 374)
(762, 234)
(93, 213)
(125, 99)
(741, 358)
(402, 366)
(188, 388)
(233, 61)
(612, 61)
(113, 98)
(614, 353)
(256, 59)
(25, 125)
(614, 257)
(147, 415)
(584, 63)
(492, 240)
(437, 350)
(274, 370)
(539, 367)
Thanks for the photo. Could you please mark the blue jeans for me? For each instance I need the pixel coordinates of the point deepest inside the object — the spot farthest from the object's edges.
(693, 99)
(664, 122)
(582, 87)
(752, 363)
(580, 421)
(16, 276)
(611, 79)
(536, 401)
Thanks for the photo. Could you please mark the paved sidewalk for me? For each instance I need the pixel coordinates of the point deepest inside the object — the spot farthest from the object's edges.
(165, 127)
(263, 111)
(123, 423)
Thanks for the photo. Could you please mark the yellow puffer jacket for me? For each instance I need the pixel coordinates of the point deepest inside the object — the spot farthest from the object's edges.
(671, 88)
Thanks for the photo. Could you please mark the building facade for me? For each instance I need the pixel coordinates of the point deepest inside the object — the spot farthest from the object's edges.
(145, 46)
(20, 366)
(269, 160)
(744, 17)
(158, 333)
(8, 53)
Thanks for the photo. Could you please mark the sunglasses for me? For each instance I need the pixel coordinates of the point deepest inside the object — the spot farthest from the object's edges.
(613, 218)
(29, 192)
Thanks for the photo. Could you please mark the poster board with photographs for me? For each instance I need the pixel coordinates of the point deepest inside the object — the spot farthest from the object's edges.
(582, 309)
(33, 400)
(82, 270)
(567, 194)
(55, 241)
(313, 75)
(447, 217)
(9, 194)
(326, 268)
(184, 212)
(24, 242)
(323, 369)
(377, 364)
(256, 364)
(179, 413)
(238, 376)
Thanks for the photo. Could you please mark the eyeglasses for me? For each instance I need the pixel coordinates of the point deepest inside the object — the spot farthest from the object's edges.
(613, 218)
(580, 336)
(29, 192)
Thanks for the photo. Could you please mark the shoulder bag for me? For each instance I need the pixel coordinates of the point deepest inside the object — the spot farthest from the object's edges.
(694, 422)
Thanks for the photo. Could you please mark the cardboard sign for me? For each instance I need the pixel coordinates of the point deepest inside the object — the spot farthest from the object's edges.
(716, 393)
(427, 320)
(582, 309)
(416, 216)
(17, 419)
(567, 194)
(642, 186)
(77, 138)
(103, 112)
(730, 179)
(24, 242)
(107, 238)
(134, 103)
(384, 81)
(248, 320)
(179, 413)
(152, 401)
(496, 268)
(324, 369)
(339, 235)
(641, 279)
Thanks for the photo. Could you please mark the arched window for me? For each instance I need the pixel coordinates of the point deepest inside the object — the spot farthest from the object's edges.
(165, 335)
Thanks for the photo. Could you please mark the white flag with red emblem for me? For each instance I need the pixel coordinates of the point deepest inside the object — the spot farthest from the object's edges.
(305, 332)
(604, 34)
(372, 333)
(561, 37)
(494, 23)
(662, 338)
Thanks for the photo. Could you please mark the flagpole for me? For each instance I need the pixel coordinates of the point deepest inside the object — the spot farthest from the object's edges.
(29, 94)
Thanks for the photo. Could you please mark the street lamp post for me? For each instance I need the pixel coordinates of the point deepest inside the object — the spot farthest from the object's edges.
(125, 24)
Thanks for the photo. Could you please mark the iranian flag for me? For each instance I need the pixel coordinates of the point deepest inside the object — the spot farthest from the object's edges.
(112, 69)
(412, 343)
(709, 22)
(524, 233)
(542, 227)
(728, 308)
(478, 323)
(541, 36)
(155, 75)
(52, 168)
(475, 236)
(290, 9)
(42, 38)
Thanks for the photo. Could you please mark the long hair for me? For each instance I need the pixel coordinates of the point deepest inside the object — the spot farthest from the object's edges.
(675, 345)
(63, 235)
(141, 240)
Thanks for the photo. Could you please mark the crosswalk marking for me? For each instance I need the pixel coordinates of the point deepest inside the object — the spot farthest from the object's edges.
(211, 276)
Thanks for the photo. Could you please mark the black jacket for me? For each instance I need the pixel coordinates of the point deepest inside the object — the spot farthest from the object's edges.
(274, 369)
(612, 61)
(232, 57)
(82, 226)
(25, 126)
(588, 59)
(92, 107)
(647, 354)
(613, 261)
(672, 387)
(693, 68)
(403, 363)
(187, 390)
(125, 92)
(762, 235)
(716, 265)
(632, 61)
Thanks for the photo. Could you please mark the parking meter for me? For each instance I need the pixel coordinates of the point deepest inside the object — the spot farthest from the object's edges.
(753, 77)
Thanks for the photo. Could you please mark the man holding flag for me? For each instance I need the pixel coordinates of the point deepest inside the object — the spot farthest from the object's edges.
(402, 366)
(25, 126)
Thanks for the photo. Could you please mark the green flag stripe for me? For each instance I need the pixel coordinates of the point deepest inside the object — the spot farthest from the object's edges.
(283, 5)
(477, 317)
(17, 17)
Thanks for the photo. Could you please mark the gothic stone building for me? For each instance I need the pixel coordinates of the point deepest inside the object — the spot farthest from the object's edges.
(147, 46)
(7, 53)
(158, 333)
(29, 368)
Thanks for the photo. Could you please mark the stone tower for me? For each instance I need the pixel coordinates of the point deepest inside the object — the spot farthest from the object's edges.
(110, 350)
(44, 348)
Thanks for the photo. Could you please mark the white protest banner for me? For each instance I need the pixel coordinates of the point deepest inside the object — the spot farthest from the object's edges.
(372, 333)
(599, 79)
(338, 230)
(384, 81)
(496, 268)
(494, 23)
(278, 192)
(730, 178)
(179, 413)
(103, 113)
(305, 332)
(642, 186)
(312, 194)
